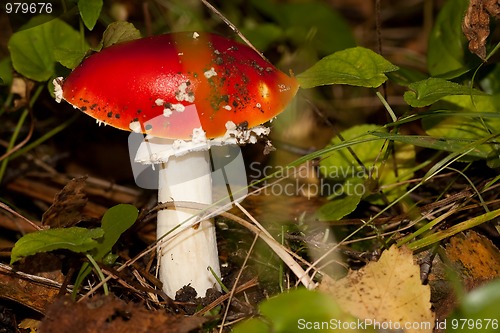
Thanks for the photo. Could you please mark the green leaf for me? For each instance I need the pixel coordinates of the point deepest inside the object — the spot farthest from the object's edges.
(32, 50)
(115, 221)
(6, 71)
(356, 66)
(427, 92)
(341, 164)
(299, 310)
(447, 43)
(75, 239)
(313, 30)
(343, 204)
(118, 32)
(90, 11)
(479, 307)
(69, 58)
(252, 325)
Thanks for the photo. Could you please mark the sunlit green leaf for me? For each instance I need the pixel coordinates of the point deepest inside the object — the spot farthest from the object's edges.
(474, 128)
(447, 43)
(466, 128)
(75, 239)
(90, 11)
(356, 66)
(33, 50)
(429, 91)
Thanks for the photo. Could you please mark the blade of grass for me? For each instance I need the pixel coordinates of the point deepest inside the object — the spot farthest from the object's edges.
(44, 137)
(434, 170)
(12, 142)
(218, 279)
(442, 113)
(387, 107)
(426, 227)
(473, 187)
(442, 234)
(491, 182)
(11, 148)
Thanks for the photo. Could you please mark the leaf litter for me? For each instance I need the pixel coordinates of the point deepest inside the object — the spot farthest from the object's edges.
(111, 314)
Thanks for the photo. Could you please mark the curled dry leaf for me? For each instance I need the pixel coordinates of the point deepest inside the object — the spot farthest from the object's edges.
(67, 208)
(387, 291)
(476, 24)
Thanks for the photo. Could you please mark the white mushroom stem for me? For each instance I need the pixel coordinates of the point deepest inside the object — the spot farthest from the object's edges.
(185, 176)
(185, 259)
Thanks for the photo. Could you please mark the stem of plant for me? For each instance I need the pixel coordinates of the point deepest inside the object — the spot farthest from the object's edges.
(99, 272)
(281, 266)
(12, 142)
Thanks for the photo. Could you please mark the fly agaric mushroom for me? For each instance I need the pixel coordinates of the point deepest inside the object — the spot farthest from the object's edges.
(186, 92)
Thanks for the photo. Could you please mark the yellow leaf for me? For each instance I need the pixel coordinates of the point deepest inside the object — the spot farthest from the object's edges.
(387, 293)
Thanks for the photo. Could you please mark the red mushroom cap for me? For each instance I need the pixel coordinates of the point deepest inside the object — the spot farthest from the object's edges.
(167, 85)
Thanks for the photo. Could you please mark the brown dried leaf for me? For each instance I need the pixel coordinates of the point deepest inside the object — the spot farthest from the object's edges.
(388, 290)
(477, 255)
(66, 210)
(476, 24)
(110, 314)
(27, 291)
